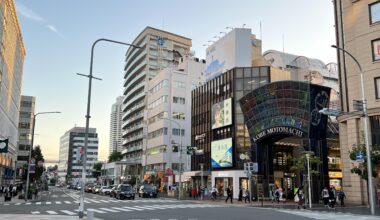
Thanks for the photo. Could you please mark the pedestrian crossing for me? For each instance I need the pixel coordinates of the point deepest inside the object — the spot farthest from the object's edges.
(111, 210)
(327, 215)
(93, 201)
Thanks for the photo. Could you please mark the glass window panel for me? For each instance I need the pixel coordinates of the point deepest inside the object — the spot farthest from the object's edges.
(374, 12)
(376, 50)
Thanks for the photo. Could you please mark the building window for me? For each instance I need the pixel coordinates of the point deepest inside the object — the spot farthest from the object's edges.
(374, 12)
(377, 87)
(179, 85)
(175, 131)
(178, 115)
(376, 50)
(179, 100)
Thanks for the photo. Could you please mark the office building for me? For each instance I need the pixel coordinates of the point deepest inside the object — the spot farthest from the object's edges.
(116, 138)
(358, 32)
(158, 50)
(25, 127)
(12, 53)
(71, 154)
(169, 96)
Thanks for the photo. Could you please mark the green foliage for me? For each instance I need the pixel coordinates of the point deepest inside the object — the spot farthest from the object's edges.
(37, 155)
(299, 164)
(115, 156)
(97, 169)
(361, 168)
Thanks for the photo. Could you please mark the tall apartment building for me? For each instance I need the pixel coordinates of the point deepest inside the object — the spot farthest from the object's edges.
(116, 138)
(158, 50)
(12, 53)
(169, 96)
(70, 154)
(358, 32)
(25, 127)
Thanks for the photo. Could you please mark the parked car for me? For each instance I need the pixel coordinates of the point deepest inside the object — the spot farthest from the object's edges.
(96, 189)
(88, 188)
(105, 190)
(148, 191)
(124, 191)
(113, 192)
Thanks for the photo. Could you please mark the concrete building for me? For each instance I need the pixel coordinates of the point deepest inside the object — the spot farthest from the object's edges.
(25, 127)
(158, 50)
(116, 138)
(357, 31)
(12, 53)
(70, 154)
(170, 97)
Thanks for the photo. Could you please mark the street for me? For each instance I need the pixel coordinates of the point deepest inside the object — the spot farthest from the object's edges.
(65, 202)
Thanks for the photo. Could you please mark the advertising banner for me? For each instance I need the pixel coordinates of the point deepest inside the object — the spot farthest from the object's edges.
(221, 114)
(221, 153)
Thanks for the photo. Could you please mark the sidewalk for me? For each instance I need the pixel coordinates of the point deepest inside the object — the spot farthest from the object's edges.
(349, 208)
(43, 196)
(40, 217)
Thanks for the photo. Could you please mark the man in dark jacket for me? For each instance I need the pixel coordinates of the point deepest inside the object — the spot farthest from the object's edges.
(229, 193)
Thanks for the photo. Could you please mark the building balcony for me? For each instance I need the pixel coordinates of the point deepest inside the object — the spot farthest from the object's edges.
(131, 149)
(131, 129)
(133, 74)
(135, 160)
(134, 89)
(134, 99)
(134, 108)
(130, 84)
(136, 137)
(132, 119)
(135, 60)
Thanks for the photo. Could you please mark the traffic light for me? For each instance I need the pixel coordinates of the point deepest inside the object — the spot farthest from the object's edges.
(189, 150)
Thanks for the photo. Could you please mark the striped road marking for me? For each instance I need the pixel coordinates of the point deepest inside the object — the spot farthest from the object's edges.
(38, 203)
(58, 202)
(95, 210)
(121, 209)
(127, 207)
(109, 210)
(48, 203)
(51, 212)
(68, 212)
(67, 202)
(34, 213)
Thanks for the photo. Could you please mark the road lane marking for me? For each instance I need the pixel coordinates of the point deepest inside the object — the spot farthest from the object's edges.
(51, 212)
(137, 209)
(28, 203)
(48, 203)
(109, 210)
(92, 200)
(68, 212)
(97, 211)
(121, 209)
(18, 203)
(34, 213)
(38, 203)
(58, 202)
(67, 202)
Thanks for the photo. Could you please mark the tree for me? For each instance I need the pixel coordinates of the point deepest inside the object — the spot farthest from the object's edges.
(299, 164)
(115, 156)
(361, 168)
(97, 169)
(37, 156)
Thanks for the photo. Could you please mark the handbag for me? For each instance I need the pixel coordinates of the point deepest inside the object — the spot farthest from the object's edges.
(296, 198)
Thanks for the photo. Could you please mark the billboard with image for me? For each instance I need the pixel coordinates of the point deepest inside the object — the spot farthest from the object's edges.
(221, 114)
(221, 153)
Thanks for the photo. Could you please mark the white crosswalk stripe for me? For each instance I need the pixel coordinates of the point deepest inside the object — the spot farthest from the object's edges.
(38, 203)
(68, 212)
(137, 209)
(121, 209)
(97, 211)
(52, 212)
(67, 202)
(327, 215)
(108, 210)
(58, 202)
(34, 213)
(48, 203)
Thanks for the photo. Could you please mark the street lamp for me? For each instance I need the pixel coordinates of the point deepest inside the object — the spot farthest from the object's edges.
(366, 132)
(180, 155)
(308, 154)
(30, 150)
(90, 77)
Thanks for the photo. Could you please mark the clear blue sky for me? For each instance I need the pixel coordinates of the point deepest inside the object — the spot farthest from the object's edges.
(58, 36)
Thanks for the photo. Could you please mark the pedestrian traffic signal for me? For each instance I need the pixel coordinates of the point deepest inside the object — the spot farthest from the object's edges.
(189, 150)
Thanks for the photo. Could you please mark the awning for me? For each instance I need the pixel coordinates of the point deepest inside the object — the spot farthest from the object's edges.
(196, 173)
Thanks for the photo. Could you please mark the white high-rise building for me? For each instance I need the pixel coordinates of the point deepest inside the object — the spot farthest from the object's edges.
(116, 137)
(158, 51)
(169, 96)
(70, 160)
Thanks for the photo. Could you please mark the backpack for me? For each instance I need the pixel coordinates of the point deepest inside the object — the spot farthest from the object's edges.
(277, 193)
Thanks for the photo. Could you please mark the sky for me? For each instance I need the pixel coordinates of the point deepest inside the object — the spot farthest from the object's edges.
(58, 36)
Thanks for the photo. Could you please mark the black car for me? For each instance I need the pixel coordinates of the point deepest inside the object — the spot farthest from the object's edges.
(88, 188)
(148, 191)
(124, 191)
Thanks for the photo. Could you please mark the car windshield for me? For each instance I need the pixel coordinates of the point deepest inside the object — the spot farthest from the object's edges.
(125, 188)
(148, 187)
(106, 187)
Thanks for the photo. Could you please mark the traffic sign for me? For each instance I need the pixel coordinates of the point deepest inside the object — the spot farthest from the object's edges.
(359, 157)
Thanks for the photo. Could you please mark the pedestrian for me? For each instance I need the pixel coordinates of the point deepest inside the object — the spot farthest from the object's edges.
(214, 191)
(341, 196)
(246, 196)
(194, 192)
(277, 195)
(325, 196)
(332, 199)
(240, 194)
(300, 198)
(229, 194)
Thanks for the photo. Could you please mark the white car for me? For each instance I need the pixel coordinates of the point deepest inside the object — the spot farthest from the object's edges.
(105, 190)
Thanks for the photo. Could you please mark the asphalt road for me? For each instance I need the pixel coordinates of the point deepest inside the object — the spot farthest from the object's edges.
(65, 202)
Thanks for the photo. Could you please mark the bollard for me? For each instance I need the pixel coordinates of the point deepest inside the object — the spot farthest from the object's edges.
(90, 215)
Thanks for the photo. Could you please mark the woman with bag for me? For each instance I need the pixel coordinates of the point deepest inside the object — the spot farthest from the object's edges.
(299, 198)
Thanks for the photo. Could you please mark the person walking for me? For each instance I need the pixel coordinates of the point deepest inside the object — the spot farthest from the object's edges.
(325, 196)
(246, 196)
(332, 199)
(194, 192)
(240, 195)
(214, 191)
(341, 196)
(277, 195)
(229, 194)
(301, 198)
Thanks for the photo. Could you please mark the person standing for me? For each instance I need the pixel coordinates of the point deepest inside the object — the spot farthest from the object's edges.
(246, 196)
(214, 191)
(325, 196)
(240, 194)
(277, 195)
(301, 198)
(229, 194)
(341, 196)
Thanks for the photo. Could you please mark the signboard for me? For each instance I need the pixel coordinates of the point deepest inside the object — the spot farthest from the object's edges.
(221, 114)
(360, 157)
(232, 50)
(278, 130)
(32, 168)
(333, 174)
(221, 153)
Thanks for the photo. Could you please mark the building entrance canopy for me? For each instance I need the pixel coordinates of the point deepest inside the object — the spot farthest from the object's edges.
(286, 108)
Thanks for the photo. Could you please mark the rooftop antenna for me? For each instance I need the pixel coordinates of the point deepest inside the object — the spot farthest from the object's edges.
(243, 25)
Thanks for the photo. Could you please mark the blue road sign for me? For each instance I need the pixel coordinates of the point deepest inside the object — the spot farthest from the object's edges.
(359, 157)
